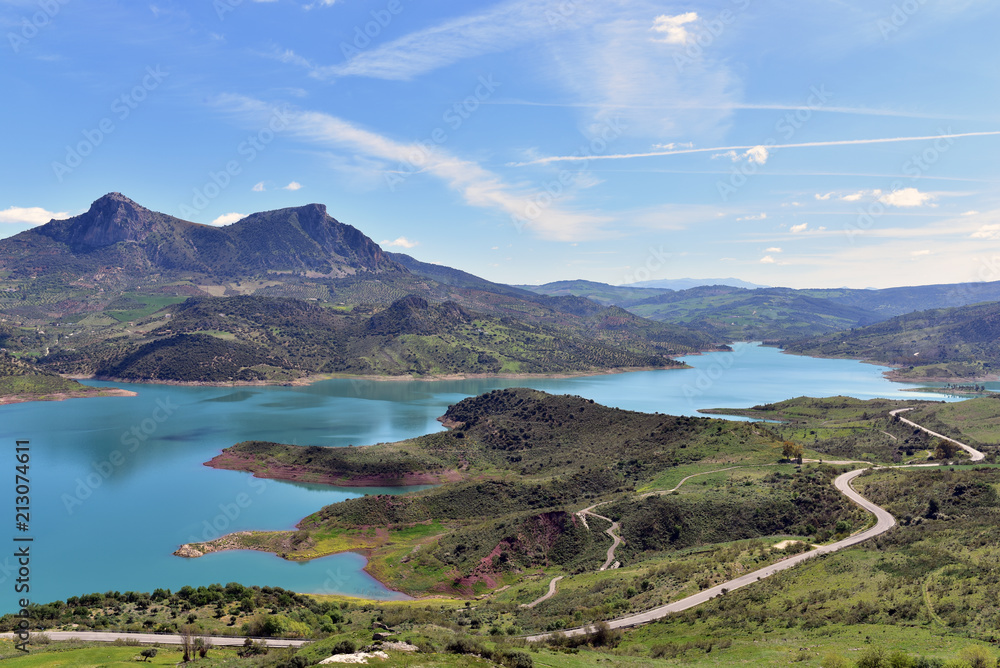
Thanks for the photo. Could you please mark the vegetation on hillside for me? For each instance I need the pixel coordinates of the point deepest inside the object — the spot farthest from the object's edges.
(522, 463)
(926, 345)
(266, 338)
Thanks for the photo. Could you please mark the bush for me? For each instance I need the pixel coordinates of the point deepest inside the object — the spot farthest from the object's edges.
(345, 647)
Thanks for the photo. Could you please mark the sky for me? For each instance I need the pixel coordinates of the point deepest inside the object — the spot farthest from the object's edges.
(806, 143)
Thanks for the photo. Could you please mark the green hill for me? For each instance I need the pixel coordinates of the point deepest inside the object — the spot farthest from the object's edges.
(732, 313)
(925, 345)
(516, 466)
(266, 338)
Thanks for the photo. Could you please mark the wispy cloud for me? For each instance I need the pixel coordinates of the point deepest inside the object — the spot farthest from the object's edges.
(814, 144)
(478, 186)
(32, 215)
(499, 28)
(258, 187)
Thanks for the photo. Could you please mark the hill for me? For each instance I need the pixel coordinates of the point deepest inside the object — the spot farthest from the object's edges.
(221, 339)
(926, 345)
(517, 467)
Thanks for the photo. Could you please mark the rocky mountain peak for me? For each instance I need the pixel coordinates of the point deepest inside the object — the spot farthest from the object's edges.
(110, 219)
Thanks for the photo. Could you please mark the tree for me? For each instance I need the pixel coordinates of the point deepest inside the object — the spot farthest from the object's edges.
(977, 656)
(792, 451)
(148, 654)
(945, 449)
(932, 509)
(187, 642)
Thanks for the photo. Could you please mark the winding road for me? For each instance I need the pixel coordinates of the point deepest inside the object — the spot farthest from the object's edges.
(883, 522)
(974, 454)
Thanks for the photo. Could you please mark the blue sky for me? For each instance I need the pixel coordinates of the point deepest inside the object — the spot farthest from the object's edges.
(804, 144)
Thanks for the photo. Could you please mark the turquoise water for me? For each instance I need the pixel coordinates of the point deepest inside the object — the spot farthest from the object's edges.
(118, 483)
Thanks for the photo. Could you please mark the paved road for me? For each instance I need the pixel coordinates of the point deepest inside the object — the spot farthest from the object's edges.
(545, 597)
(974, 454)
(151, 638)
(883, 522)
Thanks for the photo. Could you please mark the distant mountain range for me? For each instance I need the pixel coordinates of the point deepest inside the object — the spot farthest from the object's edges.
(739, 314)
(687, 283)
(125, 292)
(291, 292)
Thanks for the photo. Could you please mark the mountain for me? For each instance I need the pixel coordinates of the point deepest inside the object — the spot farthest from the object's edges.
(686, 283)
(118, 243)
(962, 342)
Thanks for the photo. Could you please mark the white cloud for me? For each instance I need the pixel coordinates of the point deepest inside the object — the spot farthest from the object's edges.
(32, 215)
(767, 259)
(761, 216)
(823, 198)
(970, 213)
(294, 185)
(795, 229)
(672, 27)
(259, 188)
(920, 253)
(774, 249)
(906, 197)
(478, 186)
(854, 197)
(228, 218)
(755, 154)
(400, 242)
(987, 232)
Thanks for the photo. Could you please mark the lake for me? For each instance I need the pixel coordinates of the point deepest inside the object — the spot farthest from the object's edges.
(118, 483)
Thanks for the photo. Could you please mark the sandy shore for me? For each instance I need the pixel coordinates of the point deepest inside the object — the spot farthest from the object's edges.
(309, 380)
